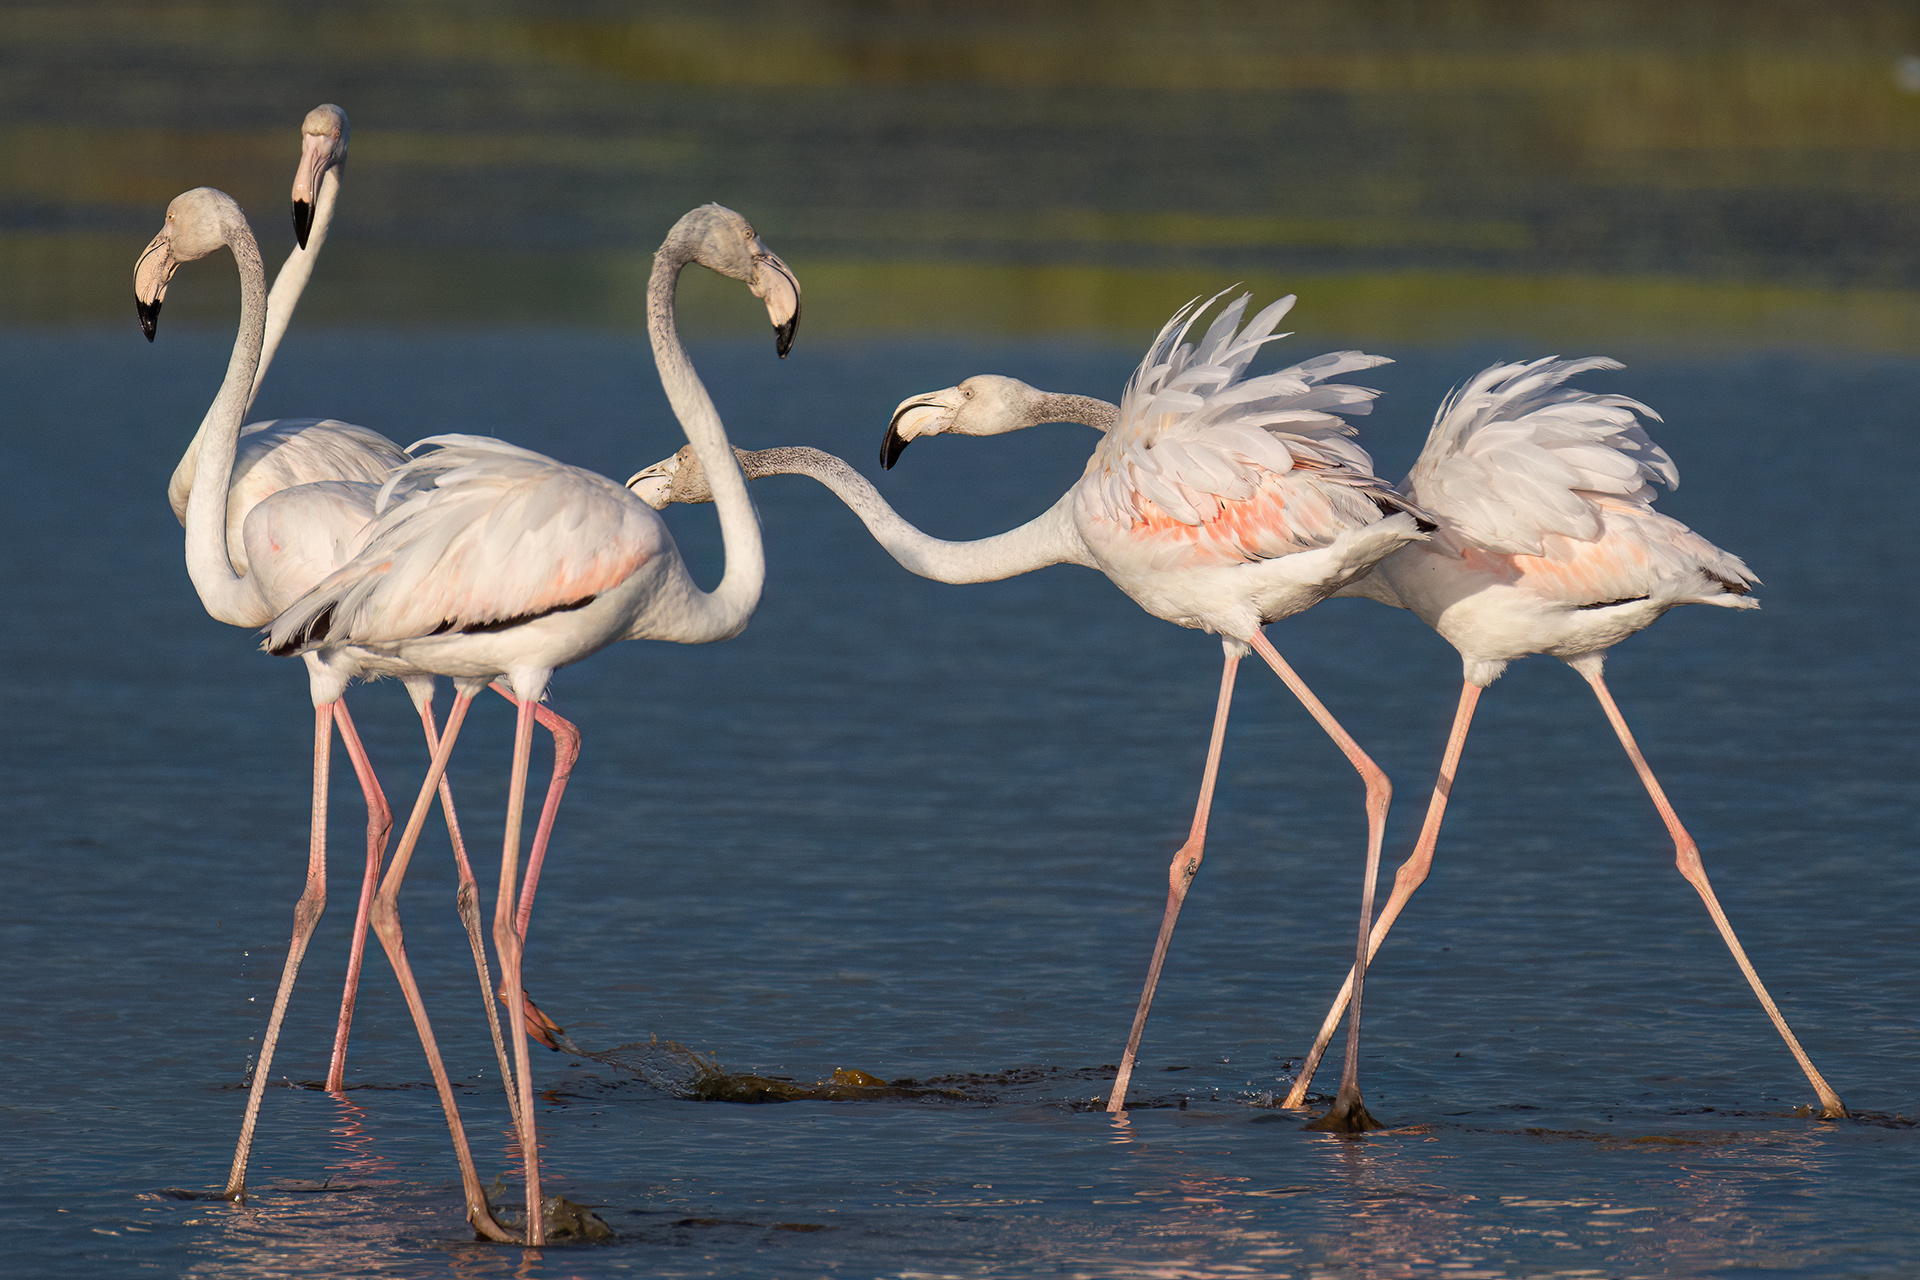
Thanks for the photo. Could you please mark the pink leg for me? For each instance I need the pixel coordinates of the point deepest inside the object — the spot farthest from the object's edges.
(466, 901)
(1180, 873)
(386, 923)
(506, 941)
(566, 752)
(1412, 874)
(306, 914)
(1687, 858)
(379, 827)
(1348, 1113)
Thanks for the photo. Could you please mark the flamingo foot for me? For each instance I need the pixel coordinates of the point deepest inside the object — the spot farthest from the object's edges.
(539, 1026)
(1346, 1115)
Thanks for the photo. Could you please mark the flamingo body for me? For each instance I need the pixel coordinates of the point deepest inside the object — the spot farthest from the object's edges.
(502, 560)
(1223, 502)
(1548, 541)
(285, 453)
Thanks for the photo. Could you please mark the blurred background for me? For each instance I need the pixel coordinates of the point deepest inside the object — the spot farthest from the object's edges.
(922, 830)
(1740, 171)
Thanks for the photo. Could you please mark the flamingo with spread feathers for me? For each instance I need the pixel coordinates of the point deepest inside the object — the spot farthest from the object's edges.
(490, 562)
(298, 494)
(1548, 543)
(1216, 500)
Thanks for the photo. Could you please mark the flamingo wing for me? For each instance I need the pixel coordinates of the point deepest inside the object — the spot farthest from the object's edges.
(297, 536)
(1542, 481)
(476, 535)
(1233, 467)
(1516, 454)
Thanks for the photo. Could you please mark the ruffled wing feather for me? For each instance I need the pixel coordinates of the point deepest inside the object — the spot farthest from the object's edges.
(1228, 466)
(477, 533)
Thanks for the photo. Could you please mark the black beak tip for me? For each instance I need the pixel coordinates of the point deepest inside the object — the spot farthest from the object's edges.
(783, 335)
(891, 448)
(302, 221)
(149, 317)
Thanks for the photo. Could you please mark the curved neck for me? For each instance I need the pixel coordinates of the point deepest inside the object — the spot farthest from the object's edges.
(724, 611)
(1054, 406)
(287, 288)
(1048, 538)
(227, 596)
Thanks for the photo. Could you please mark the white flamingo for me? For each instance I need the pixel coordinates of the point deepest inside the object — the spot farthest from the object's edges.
(1548, 543)
(490, 562)
(293, 517)
(1215, 500)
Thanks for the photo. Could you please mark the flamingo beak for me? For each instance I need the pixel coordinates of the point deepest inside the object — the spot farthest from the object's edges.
(316, 157)
(774, 283)
(654, 485)
(150, 276)
(917, 416)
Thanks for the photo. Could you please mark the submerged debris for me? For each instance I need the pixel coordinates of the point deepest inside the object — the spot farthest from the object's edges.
(565, 1219)
(672, 1068)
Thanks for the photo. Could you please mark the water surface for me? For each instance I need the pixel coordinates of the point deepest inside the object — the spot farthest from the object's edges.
(921, 831)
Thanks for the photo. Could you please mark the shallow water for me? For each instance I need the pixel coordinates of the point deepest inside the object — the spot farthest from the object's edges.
(920, 831)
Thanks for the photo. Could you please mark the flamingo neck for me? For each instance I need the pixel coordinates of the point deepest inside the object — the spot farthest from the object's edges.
(723, 612)
(287, 288)
(294, 273)
(228, 596)
(1049, 538)
(1054, 406)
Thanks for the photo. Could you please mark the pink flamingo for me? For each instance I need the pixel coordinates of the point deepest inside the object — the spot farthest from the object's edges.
(489, 562)
(1215, 500)
(1548, 543)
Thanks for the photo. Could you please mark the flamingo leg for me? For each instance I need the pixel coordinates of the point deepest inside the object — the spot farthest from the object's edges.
(386, 923)
(1411, 875)
(507, 942)
(1180, 873)
(1348, 1113)
(1687, 859)
(306, 914)
(566, 753)
(466, 901)
(379, 828)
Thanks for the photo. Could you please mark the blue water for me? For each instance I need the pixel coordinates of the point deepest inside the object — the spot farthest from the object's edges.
(921, 831)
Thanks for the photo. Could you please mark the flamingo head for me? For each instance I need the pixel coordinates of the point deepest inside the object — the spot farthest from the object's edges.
(986, 404)
(323, 146)
(655, 485)
(681, 478)
(196, 225)
(725, 242)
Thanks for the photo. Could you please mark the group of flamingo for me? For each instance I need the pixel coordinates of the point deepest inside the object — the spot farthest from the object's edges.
(1217, 499)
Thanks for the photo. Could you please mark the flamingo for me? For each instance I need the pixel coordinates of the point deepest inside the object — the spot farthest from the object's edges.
(1548, 543)
(490, 562)
(298, 492)
(1214, 500)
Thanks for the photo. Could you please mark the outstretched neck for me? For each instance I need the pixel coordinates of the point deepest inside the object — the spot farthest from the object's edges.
(1053, 406)
(1047, 539)
(227, 595)
(723, 612)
